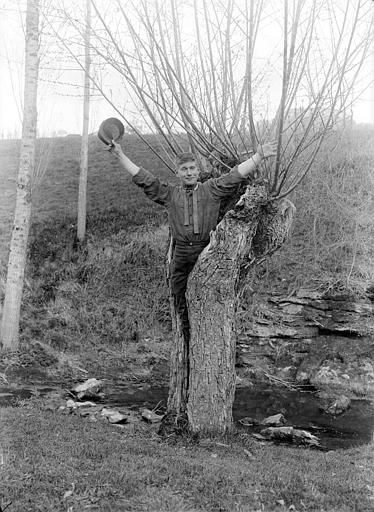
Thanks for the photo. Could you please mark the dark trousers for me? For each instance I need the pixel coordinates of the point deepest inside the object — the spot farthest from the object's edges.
(183, 260)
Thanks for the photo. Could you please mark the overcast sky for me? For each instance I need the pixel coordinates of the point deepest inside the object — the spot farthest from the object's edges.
(60, 108)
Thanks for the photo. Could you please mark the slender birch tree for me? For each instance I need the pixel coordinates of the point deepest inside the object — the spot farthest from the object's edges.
(82, 194)
(22, 216)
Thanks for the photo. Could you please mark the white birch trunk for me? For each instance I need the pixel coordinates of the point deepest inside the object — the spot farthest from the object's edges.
(21, 225)
(82, 196)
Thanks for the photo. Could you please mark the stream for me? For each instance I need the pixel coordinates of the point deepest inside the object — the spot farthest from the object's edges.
(301, 409)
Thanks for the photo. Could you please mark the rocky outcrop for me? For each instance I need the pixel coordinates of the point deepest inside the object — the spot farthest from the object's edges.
(326, 341)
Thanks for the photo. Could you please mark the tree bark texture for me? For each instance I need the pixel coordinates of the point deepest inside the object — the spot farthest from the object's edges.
(21, 225)
(179, 364)
(248, 233)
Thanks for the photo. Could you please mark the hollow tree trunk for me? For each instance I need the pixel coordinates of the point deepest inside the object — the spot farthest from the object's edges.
(246, 235)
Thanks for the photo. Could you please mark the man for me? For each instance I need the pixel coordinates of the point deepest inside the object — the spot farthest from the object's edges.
(192, 207)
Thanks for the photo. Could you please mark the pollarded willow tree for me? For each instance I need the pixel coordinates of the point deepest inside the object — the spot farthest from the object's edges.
(223, 77)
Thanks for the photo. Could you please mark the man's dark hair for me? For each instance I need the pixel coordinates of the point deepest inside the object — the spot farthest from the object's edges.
(182, 158)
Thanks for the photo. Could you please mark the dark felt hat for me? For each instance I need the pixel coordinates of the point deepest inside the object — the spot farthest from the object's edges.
(110, 129)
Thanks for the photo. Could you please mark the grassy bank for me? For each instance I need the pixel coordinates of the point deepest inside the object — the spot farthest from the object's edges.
(133, 469)
(105, 307)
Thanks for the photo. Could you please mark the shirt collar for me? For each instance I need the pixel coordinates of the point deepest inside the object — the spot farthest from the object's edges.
(189, 189)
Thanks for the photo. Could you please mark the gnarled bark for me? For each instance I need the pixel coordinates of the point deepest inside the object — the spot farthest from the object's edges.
(247, 234)
(179, 366)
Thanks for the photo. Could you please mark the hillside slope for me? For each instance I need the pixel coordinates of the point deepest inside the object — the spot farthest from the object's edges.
(111, 298)
(56, 183)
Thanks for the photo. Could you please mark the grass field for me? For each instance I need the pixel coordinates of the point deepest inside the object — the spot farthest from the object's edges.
(102, 468)
(56, 188)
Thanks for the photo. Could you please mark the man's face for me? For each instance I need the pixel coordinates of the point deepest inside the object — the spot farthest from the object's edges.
(188, 173)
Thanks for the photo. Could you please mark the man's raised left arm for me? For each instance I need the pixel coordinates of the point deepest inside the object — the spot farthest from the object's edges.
(226, 184)
(266, 150)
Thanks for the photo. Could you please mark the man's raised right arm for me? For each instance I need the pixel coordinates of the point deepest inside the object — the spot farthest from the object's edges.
(124, 160)
(156, 190)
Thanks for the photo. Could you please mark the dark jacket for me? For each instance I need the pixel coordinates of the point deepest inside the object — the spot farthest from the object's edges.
(193, 214)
